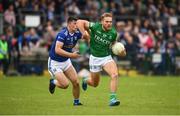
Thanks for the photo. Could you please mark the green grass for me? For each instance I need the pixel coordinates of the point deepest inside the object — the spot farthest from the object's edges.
(144, 95)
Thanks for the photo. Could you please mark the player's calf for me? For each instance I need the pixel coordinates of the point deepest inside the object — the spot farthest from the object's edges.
(51, 86)
(84, 83)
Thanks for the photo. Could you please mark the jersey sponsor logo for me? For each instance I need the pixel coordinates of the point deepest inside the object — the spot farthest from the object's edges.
(59, 37)
(101, 40)
(75, 38)
(71, 39)
(99, 32)
(104, 35)
(110, 37)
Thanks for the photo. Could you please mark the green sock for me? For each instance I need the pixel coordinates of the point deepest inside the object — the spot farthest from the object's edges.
(85, 79)
(113, 96)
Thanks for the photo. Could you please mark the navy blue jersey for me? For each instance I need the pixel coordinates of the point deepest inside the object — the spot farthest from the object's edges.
(69, 41)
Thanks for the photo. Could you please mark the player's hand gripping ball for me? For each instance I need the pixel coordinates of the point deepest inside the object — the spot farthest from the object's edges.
(118, 48)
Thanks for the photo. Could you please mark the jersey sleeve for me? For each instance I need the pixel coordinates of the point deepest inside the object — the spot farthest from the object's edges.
(92, 25)
(61, 37)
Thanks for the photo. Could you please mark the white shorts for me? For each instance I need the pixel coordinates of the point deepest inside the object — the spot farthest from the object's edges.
(55, 66)
(96, 63)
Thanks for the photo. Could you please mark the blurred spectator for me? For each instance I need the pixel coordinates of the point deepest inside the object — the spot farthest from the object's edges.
(144, 54)
(120, 29)
(73, 9)
(50, 11)
(1, 7)
(33, 38)
(48, 36)
(152, 10)
(129, 26)
(148, 27)
(170, 57)
(158, 62)
(23, 45)
(91, 9)
(20, 28)
(12, 46)
(21, 4)
(146, 41)
(138, 7)
(137, 26)
(131, 49)
(177, 43)
(35, 45)
(4, 54)
(9, 15)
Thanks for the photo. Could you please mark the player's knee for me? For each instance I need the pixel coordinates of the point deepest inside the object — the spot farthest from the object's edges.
(75, 83)
(95, 84)
(65, 86)
(114, 75)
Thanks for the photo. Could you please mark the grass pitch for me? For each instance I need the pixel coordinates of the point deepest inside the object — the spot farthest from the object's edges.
(141, 95)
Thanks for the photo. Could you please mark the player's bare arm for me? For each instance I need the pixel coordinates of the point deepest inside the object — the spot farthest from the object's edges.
(60, 51)
(83, 26)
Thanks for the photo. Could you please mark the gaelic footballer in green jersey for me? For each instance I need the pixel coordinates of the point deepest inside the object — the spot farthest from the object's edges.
(100, 40)
(102, 36)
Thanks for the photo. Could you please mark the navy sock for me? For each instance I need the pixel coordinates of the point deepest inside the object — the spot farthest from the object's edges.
(76, 101)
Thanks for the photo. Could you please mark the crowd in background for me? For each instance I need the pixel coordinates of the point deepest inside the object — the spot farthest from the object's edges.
(149, 29)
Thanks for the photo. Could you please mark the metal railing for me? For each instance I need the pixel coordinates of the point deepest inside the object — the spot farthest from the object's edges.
(1, 23)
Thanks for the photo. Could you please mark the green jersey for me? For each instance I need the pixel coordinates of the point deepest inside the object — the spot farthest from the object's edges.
(101, 40)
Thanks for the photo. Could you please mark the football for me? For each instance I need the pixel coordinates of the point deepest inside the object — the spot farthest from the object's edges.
(117, 48)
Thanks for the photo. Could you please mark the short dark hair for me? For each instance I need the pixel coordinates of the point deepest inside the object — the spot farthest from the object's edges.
(70, 19)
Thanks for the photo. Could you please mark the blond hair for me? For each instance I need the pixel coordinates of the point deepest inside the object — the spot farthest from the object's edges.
(105, 15)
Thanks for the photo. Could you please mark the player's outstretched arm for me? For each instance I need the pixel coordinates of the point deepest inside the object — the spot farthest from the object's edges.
(60, 51)
(83, 26)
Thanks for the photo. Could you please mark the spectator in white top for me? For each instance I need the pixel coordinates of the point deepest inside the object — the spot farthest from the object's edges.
(9, 15)
(73, 8)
